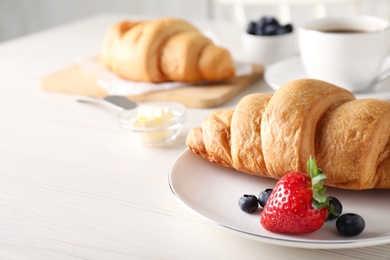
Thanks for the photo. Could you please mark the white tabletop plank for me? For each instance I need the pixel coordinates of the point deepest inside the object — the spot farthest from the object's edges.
(73, 185)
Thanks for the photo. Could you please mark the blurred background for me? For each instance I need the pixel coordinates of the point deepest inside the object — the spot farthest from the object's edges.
(22, 17)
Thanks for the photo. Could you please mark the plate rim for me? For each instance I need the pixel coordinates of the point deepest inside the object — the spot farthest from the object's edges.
(313, 244)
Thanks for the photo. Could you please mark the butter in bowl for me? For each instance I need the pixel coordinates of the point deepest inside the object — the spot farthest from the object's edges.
(154, 123)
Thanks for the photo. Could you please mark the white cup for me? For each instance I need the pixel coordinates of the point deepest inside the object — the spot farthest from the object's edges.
(267, 49)
(348, 51)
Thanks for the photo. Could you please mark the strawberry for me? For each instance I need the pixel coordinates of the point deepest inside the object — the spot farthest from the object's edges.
(298, 203)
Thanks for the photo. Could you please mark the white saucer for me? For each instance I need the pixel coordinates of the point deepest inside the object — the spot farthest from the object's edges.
(291, 68)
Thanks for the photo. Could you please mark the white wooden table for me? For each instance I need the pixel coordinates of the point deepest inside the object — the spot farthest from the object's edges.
(73, 185)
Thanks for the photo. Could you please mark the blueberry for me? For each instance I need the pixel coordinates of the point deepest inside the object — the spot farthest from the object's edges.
(337, 206)
(267, 20)
(350, 224)
(248, 203)
(289, 27)
(281, 30)
(263, 197)
(268, 25)
(251, 29)
(270, 29)
(259, 31)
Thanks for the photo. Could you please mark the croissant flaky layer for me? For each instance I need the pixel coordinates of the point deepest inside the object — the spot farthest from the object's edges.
(166, 49)
(271, 135)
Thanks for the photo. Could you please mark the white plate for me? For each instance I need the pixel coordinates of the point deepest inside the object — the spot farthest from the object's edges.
(213, 192)
(291, 68)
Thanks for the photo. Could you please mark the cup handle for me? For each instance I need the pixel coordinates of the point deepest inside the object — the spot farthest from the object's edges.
(385, 74)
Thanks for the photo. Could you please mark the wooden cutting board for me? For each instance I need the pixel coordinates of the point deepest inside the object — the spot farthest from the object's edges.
(73, 80)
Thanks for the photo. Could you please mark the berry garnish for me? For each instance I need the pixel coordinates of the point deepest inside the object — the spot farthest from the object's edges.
(251, 28)
(298, 203)
(268, 25)
(263, 197)
(350, 224)
(248, 203)
(337, 207)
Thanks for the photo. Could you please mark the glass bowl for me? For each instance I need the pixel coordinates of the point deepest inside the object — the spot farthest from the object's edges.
(154, 123)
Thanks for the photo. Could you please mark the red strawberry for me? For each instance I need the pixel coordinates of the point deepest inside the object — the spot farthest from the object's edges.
(298, 203)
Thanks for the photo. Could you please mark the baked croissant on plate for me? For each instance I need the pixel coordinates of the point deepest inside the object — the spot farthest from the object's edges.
(162, 50)
(272, 135)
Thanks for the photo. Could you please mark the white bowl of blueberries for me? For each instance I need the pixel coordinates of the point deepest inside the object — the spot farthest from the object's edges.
(266, 41)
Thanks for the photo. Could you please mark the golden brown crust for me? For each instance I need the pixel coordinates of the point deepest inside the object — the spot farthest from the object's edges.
(290, 120)
(247, 154)
(350, 141)
(271, 136)
(195, 142)
(216, 136)
(383, 170)
(111, 42)
(184, 50)
(215, 63)
(165, 49)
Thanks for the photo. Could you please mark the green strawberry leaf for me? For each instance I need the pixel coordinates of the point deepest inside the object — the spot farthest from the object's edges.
(312, 168)
(318, 180)
(320, 196)
(333, 211)
(318, 205)
(320, 200)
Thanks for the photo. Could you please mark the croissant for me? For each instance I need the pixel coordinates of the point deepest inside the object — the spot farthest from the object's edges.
(162, 50)
(271, 135)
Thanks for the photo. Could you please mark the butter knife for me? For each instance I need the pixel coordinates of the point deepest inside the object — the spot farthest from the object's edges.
(118, 102)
